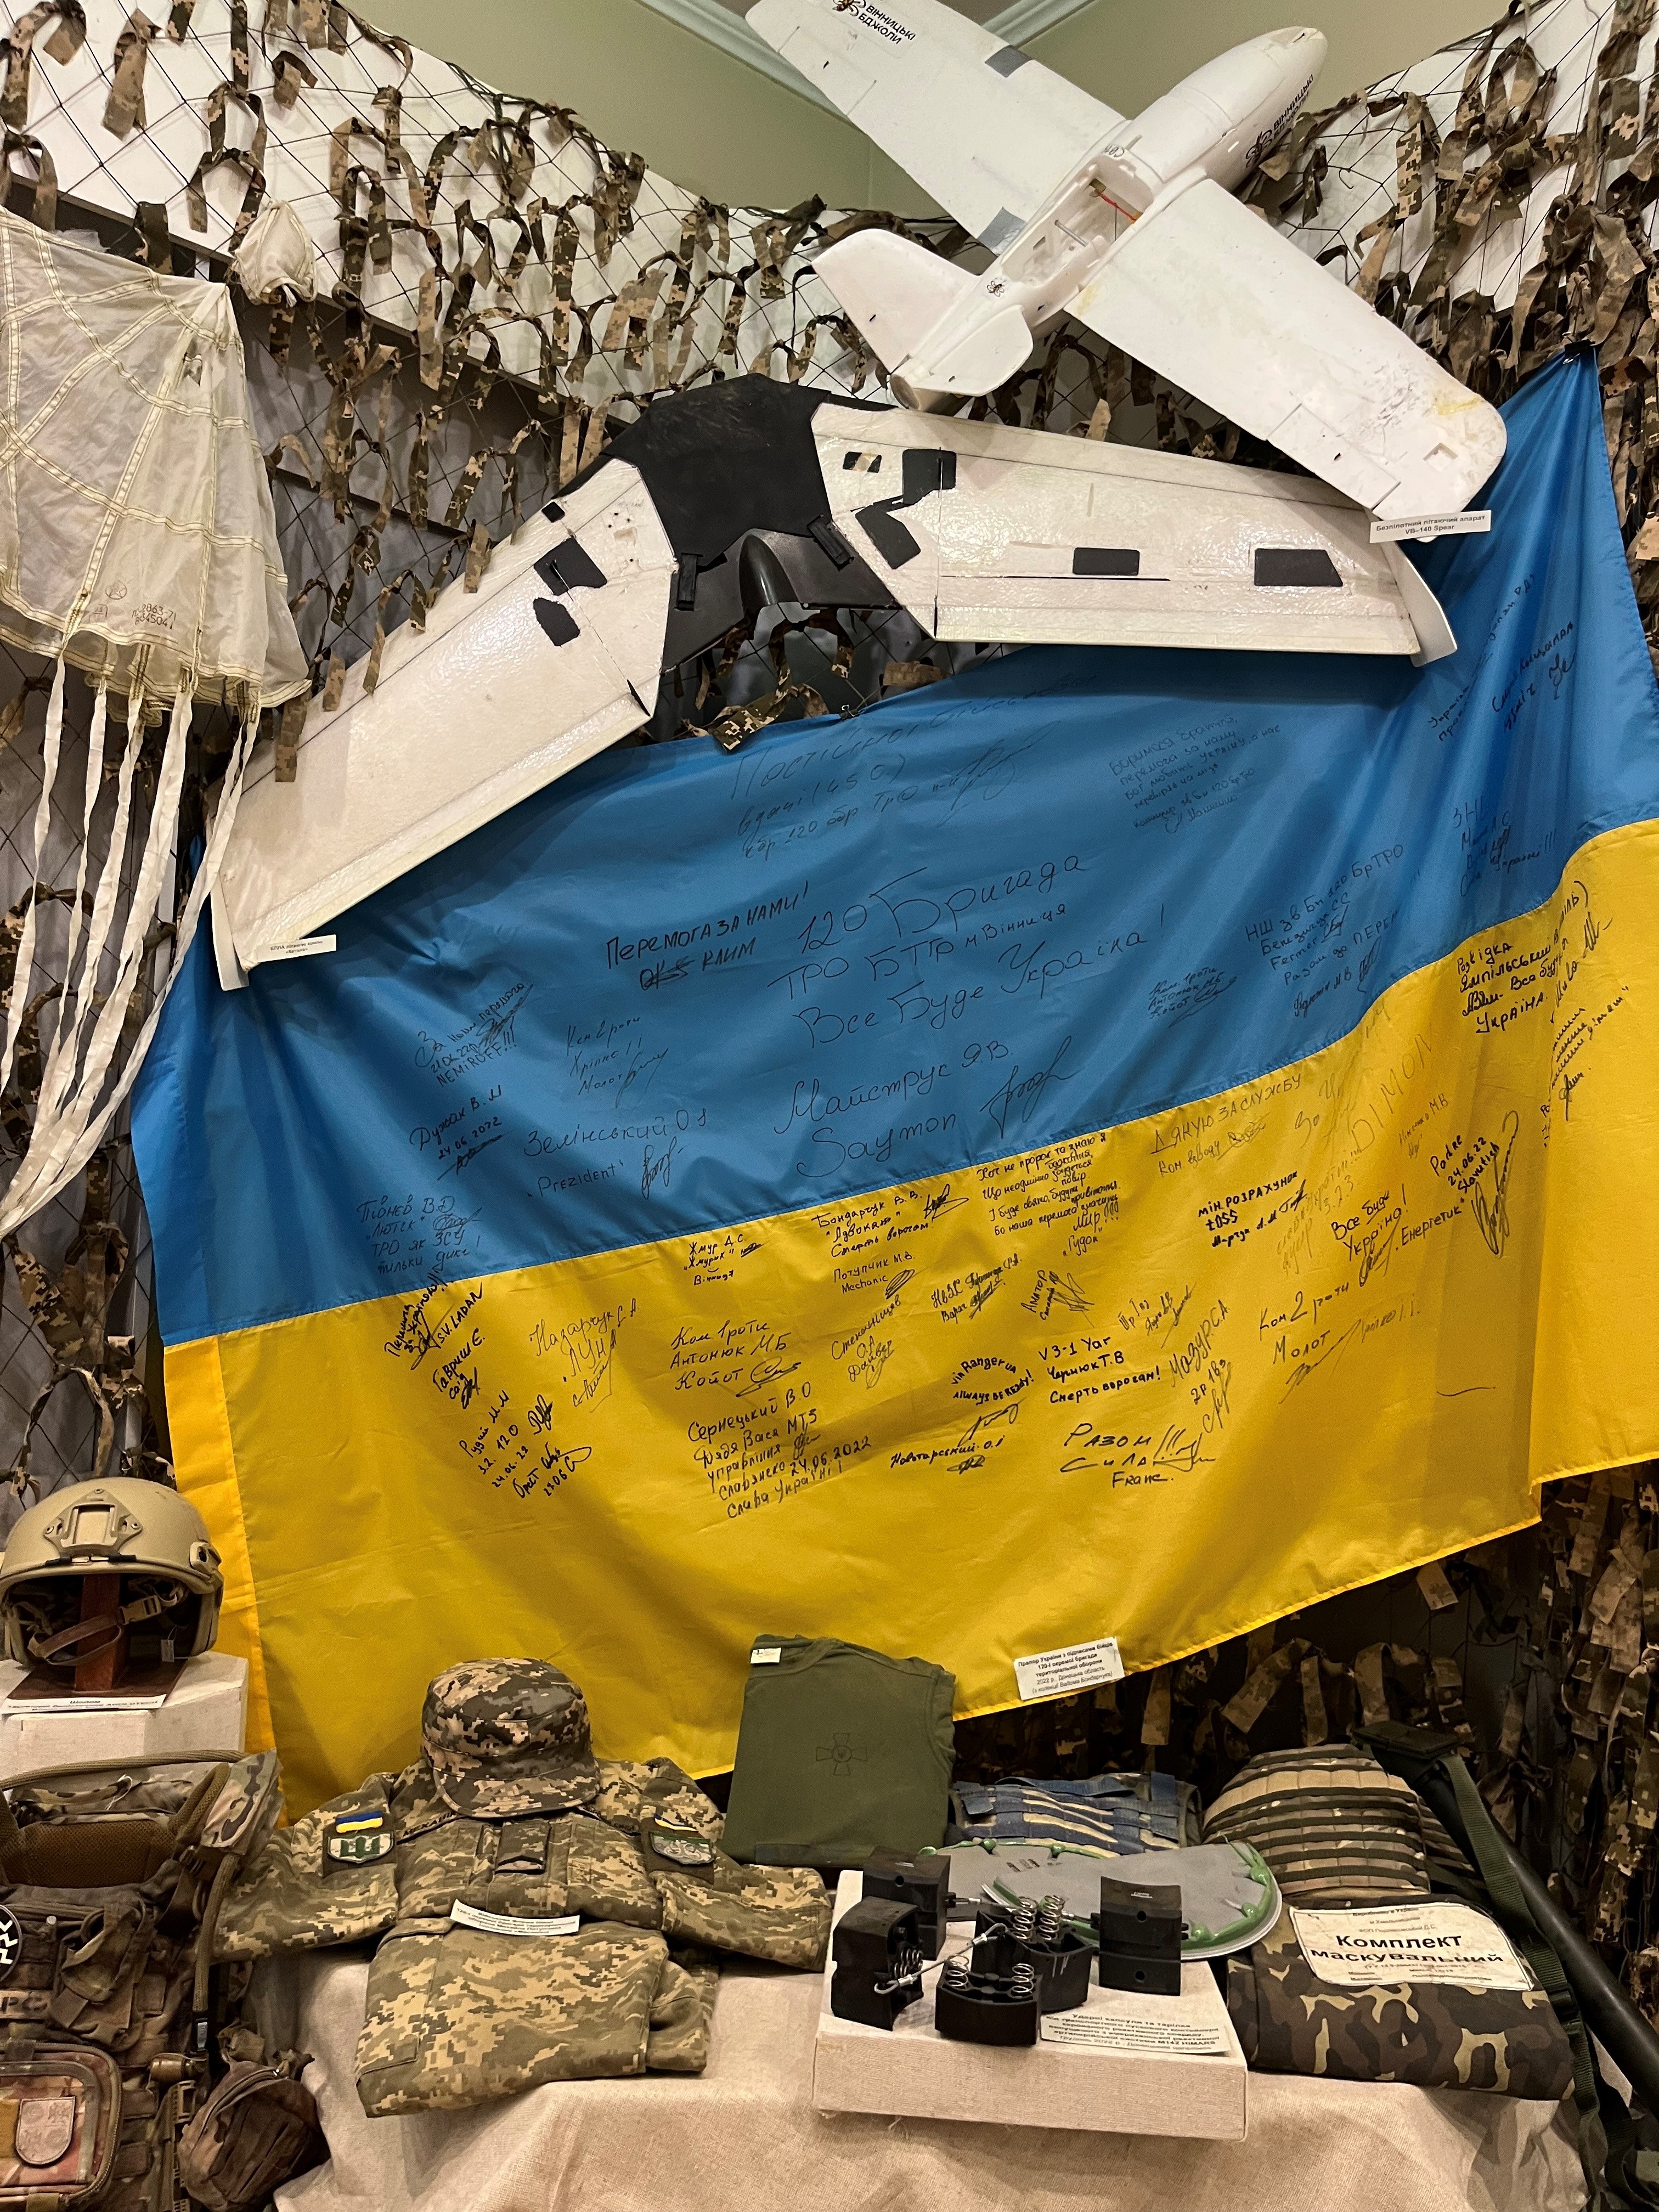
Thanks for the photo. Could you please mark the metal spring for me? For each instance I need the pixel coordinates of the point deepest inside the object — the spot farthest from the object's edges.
(1025, 1922)
(1049, 1916)
(906, 1968)
(1024, 1980)
(957, 1970)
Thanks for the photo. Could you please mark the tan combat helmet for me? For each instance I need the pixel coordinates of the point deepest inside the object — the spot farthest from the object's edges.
(149, 1536)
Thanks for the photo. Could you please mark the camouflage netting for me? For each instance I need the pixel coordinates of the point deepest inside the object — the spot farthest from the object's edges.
(493, 292)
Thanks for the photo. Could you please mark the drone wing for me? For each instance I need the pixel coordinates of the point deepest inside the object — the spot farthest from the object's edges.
(989, 132)
(506, 688)
(985, 532)
(1206, 293)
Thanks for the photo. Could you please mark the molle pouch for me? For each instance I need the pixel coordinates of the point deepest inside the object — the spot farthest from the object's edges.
(30, 1943)
(99, 1964)
(75, 1961)
(256, 2129)
(60, 2119)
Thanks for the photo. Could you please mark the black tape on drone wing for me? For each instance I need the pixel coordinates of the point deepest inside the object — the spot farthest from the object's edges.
(558, 623)
(1304, 568)
(569, 568)
(925, 472)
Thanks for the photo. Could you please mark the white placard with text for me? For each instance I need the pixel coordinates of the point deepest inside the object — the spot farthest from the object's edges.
(1409, 1943)
(1074, 1667)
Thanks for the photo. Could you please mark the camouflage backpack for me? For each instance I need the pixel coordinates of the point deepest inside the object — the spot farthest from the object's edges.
(111, 1879)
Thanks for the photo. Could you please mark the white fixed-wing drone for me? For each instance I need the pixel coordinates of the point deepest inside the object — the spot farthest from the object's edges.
(1131, 227)
(724, 500)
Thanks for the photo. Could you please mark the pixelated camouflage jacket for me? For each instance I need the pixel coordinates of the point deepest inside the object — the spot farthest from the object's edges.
(294, 1897)
(458, 2015)
(1435, 2035)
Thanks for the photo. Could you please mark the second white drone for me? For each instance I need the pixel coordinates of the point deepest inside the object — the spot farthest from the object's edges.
(1131, 226)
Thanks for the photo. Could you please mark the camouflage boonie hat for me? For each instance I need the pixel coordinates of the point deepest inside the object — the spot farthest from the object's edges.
(508, 1736)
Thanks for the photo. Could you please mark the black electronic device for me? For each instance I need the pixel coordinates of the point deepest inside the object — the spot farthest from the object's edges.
(1036, 1935)
(923, 1880)
(878, 1962)
(976, 2006)
(1140, 1932)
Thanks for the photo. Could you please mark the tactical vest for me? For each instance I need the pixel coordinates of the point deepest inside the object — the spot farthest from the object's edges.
(111, 1882)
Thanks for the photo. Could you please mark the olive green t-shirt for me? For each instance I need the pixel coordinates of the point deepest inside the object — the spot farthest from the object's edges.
(840, 1751)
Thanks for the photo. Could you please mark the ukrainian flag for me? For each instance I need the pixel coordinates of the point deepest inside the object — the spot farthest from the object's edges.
(1122, 1143)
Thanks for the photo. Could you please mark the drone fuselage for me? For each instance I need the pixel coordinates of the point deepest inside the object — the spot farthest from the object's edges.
(1218, 122)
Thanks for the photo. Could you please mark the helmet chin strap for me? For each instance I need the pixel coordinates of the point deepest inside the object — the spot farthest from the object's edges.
(108, 1626)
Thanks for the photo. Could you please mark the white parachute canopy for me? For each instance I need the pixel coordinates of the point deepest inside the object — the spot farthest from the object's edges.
(138, 545)
(138, 539)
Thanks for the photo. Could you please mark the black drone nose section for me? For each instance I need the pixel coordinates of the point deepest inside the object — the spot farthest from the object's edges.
(762, 579)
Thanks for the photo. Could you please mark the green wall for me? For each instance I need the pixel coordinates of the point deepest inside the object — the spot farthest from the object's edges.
(645, 85)
(712, 123)
(1127, 52)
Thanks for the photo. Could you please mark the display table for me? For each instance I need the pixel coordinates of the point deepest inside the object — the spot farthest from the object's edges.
(743, 2137)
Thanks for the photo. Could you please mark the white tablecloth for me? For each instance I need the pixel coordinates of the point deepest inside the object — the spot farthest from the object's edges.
(743, 2137)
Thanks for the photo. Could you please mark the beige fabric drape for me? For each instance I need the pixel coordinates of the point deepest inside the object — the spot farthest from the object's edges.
(743, 2137)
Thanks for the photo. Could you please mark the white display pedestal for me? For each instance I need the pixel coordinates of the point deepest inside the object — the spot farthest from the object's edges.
(206, 1710)
(914, 2071)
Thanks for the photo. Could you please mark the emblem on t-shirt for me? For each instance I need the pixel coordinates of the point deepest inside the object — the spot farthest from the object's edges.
(840, 1751)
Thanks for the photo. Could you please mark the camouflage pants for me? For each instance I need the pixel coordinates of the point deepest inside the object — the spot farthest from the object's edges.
(458, 2015)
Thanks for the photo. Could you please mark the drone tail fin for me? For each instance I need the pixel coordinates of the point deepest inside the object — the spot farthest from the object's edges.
(895, 292)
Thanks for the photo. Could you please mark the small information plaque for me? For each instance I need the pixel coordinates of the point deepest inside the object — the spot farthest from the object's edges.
(1076, 1667)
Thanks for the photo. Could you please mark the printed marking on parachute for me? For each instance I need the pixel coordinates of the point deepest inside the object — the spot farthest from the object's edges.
(300, 949)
